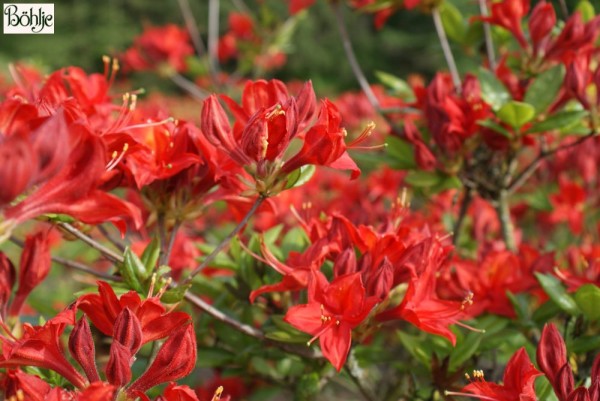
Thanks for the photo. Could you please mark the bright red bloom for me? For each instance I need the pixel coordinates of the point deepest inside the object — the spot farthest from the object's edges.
(421, 305)
(104, 308)
(31, 387)
(518, 381)
(175, 359)
(568, 205)
(333, 310)
(508, 14)
(167, 44)
(74, 190)
(40, 346)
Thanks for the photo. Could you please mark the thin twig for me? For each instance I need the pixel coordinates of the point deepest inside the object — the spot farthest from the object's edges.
(439, 27)
(524, 175)
(192, 26)
(116, 243)
(462, 213)
(351, 56)
(194, 90)
(84, 268)
(169, 249)
(225, 242)
(563, 8)
(109, 254)
(162, 237)
(213, 39)
(72, 264)
(487, 33)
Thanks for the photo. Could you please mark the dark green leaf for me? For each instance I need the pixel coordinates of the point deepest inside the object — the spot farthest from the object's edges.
(397, 85)
(493, 90)
(542, 91)
(587, 298)
(561, 120)
(453, 21)
(553, 287)
(401, 152)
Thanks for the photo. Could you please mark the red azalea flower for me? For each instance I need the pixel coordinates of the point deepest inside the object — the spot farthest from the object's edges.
(40, 346)
(104, 308)
(167, 44)
(518, 382)
(333, 310)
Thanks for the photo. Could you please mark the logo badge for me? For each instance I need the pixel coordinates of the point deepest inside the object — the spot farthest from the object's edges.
(32, 18)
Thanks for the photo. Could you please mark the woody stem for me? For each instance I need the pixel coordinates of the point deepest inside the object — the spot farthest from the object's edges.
(503, 210)
(439, 28)
(213, 39)
(225, 242)
(462, 213)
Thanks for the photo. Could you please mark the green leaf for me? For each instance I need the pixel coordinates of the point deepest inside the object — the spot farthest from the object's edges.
(453, 22)
(586, 9)
(447, 182)
(494, 126)
(300, 176)
(132, 270)
(287, 337)
(397, 85)
(493, 90)
(214, 357)
(423, 179)
(561, 120)
(465, 350)
(174, 295)
(587, 298)
(150, 255)
(584, 344)
(516, 114)
(538, 200)
(543, 89)
(401, 152)
(415, 347)
(557, 293)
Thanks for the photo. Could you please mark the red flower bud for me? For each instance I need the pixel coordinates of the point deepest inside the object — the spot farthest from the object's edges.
(118, 368)
(33, 269)
(81, 346)
(176, 359)
(541, 22)
(7, 281)
(128, 331)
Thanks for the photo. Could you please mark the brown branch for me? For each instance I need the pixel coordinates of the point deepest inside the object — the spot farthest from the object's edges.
(503, 211)
(194, 90)
(116, 243)
(462, 213)
(528, 171)
(225, 242)
(213, 40)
